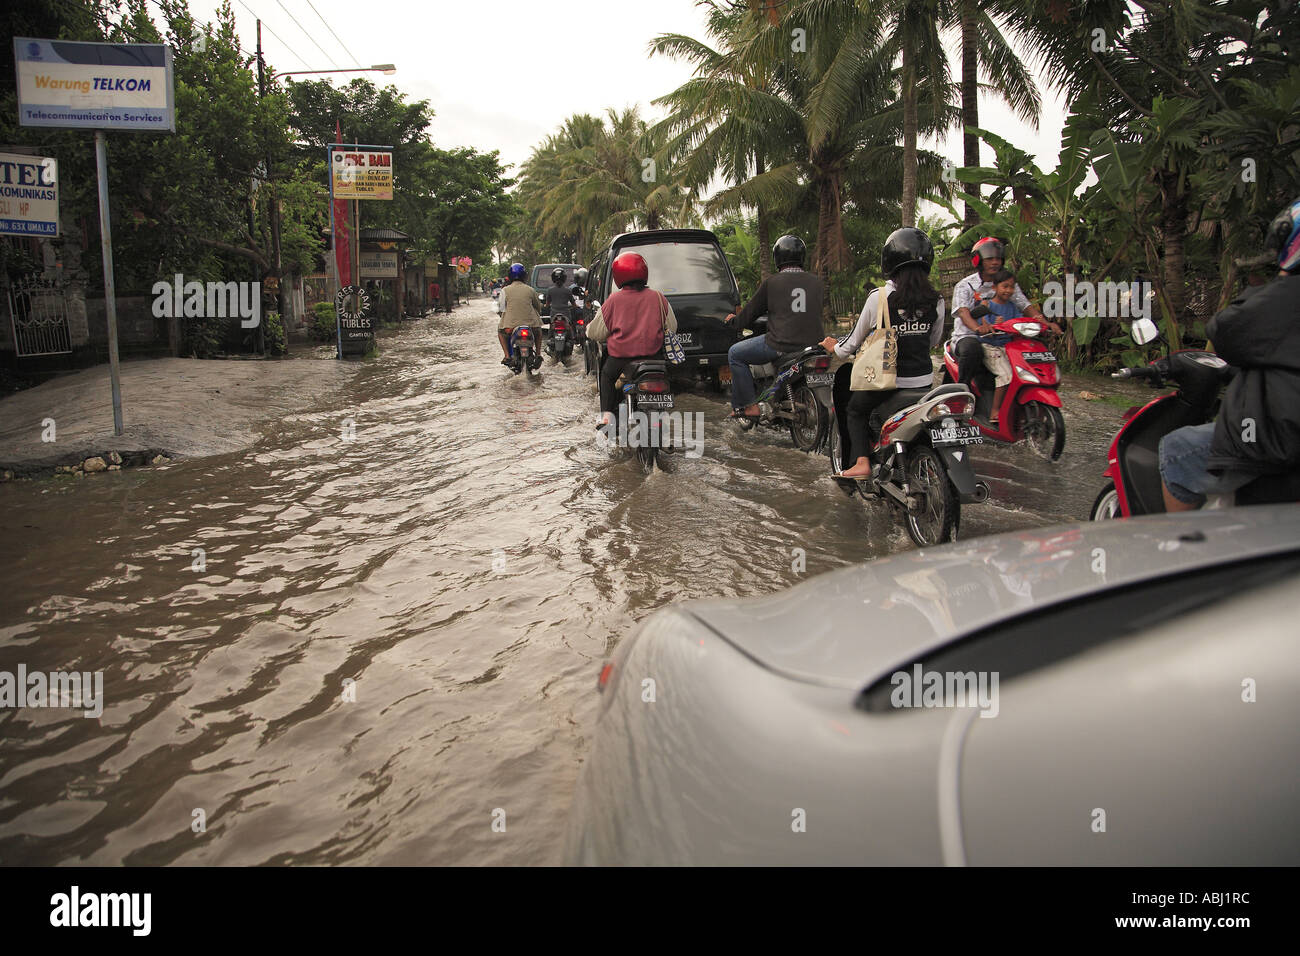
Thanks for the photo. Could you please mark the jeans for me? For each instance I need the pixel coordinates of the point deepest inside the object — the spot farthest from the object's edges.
(1184, 456)
(747, 352)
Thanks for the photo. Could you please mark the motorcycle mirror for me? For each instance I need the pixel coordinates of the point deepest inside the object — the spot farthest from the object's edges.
(1144, 331)
(979, 311)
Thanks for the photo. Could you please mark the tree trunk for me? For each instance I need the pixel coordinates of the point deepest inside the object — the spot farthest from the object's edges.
(970, 105)
(765, 268)
(1173, 229)
(910, 124)
(830, 239)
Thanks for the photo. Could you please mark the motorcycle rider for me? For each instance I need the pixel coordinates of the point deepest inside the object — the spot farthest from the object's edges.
(916, 310)
(558, 298)
(792, 301)
(1258, 429)
(631, 323)
(517, 305)
(987, 257)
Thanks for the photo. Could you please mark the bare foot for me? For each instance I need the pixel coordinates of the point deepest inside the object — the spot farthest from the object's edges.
(861, 469)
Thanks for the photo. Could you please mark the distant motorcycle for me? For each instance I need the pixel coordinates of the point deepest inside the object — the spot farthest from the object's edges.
(523, 351)
(559, 343)
(923, 461)
(1031, 407)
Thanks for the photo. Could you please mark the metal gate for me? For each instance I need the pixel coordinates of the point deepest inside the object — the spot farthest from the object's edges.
(39, 314)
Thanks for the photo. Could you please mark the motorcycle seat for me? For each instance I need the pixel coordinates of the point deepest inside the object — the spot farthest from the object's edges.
(636, 369)
(941, 390)
(783, 362)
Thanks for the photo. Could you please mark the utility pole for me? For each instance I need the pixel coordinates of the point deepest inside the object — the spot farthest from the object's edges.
(274, 211)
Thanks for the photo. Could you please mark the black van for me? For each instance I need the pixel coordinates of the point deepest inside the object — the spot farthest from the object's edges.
(689, 267)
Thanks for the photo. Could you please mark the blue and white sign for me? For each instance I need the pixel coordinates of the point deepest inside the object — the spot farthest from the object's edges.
(29, 195)
(110, 86)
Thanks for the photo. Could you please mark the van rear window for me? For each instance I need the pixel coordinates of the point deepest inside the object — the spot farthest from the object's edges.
(542, 276)
(686, 268)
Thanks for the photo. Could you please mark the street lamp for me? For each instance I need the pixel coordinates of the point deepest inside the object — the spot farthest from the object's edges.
(386, 68)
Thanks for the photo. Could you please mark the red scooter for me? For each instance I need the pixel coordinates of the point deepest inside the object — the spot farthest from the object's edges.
(1031, 407)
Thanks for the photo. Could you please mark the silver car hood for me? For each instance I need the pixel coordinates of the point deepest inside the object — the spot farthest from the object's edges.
(850, 627)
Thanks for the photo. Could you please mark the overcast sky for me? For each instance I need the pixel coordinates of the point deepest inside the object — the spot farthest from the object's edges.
(503, 74)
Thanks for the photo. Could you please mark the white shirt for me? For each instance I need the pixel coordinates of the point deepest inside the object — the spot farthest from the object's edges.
(971, 291)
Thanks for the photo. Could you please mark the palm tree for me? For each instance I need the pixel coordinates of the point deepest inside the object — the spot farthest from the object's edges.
(914, 36)
(722, 120)
(984, 27)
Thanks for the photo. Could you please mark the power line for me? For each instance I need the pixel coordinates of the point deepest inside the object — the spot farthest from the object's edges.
(305, 33)
(332, 33)
(276, 35)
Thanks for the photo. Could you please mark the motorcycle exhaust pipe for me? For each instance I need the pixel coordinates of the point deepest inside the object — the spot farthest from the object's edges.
(981, 493)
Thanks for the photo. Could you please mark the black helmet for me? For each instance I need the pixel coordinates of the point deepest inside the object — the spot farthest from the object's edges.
(557, 276)
(580, 278)
(789, 251)
(906, 247)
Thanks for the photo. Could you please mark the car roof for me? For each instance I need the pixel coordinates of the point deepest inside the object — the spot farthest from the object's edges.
(848, 628)
(662, 235)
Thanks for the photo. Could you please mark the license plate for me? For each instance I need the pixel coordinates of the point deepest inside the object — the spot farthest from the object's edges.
(687, 339)
(1038, 356)
(820, 378)
(955, 435)
(654, 400)
(724, 374)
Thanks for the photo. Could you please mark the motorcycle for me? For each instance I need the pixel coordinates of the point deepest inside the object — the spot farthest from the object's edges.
(645, 390)
(559, 343)
(795, 393)
(1133, 484)
(921, 463)
(1031, 407)
(523, 351)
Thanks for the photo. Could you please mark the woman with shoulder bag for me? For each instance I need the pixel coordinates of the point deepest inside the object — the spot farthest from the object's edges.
(913, 312)
(632, 323)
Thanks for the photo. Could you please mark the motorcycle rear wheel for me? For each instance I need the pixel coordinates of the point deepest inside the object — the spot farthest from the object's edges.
(937, 519)
(1106, 506)
(807, 427)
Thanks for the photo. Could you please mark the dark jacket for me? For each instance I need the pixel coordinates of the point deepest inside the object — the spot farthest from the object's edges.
(559, 299)
(1258, 429)
(792, 302)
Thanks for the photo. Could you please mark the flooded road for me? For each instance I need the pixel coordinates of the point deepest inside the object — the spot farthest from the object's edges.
(357, 641)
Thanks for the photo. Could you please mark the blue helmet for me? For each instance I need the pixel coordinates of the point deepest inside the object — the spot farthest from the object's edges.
(517, 271)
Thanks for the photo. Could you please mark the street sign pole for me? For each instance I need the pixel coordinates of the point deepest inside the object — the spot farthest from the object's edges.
(110, 294)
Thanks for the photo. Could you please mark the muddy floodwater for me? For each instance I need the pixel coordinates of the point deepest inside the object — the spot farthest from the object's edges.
(357, 641)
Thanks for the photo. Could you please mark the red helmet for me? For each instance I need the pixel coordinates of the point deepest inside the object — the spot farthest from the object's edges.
(993, 250)
(629, 267)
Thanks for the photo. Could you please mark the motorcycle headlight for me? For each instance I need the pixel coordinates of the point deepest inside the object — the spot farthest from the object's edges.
(1027, 376)
(1029, 330)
